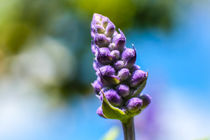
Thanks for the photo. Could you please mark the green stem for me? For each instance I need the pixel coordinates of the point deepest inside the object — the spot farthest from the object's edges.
(128, 129)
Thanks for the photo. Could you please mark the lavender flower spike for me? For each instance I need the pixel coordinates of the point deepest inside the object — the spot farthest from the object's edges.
(120, 81)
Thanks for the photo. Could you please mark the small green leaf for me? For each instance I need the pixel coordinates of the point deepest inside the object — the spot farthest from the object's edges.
(112, 112)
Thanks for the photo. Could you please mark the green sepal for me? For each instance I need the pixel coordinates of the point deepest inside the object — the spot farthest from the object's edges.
(140, 88)
(112, 112)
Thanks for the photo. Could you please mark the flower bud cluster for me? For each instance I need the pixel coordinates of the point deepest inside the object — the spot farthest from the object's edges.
(118, 78)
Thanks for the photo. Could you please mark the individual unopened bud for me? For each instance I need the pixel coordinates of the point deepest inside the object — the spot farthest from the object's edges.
(103, 56)
(106, 70)
(101, 40)
(100, 112)
(107, 75)
(129, 56)
(123, 74)
(137, 78)
(110, 29)
(112, 46)
(119, 64)
(119, 40)
(134, 105)
(113, 97)
(123, 90)
(97, 85)
(146, 100)
(115, 54)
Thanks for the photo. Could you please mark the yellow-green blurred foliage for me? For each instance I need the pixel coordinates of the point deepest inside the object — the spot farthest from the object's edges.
(25, 24)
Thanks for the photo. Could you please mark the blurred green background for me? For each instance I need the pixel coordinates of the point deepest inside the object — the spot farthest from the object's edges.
(46, 67)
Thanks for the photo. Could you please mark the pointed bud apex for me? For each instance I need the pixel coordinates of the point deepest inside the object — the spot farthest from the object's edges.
(134, 105)
(137, 78)
(123, 90)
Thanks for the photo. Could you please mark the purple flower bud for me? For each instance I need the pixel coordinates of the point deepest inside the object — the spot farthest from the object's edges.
(134, 105)
(113, 97)
(146, 100)
(112, 46)
(123, 90)
(100, 112)
(119, 65)
(107, 75)
(115, 54)
(106, 70)
(137, 78)
(129, 56)
(123, 74)
(103, 56)
(119, 40)
(101, 40)
(110, 29)
(97, 85)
